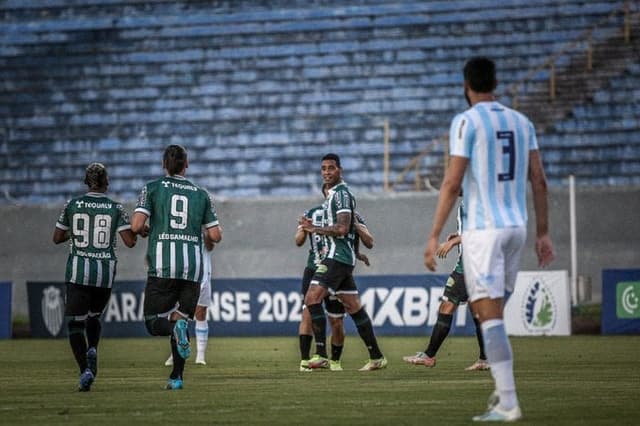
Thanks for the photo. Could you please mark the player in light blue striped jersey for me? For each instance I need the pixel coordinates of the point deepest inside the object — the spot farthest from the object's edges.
(494, 152)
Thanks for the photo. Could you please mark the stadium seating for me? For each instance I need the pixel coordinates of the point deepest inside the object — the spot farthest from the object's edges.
(258, 94)
(600, 142)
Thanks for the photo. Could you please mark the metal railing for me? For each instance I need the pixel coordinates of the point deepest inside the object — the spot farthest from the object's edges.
(572, 46)
(414, 165)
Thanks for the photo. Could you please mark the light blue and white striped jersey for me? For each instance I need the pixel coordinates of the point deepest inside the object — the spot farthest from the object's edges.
(497, 141)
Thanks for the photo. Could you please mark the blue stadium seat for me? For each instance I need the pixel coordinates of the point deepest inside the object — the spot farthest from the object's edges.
(250, 89)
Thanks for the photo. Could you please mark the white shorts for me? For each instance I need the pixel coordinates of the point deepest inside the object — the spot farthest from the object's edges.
(491, 259)
(205, 293)
(205, 284)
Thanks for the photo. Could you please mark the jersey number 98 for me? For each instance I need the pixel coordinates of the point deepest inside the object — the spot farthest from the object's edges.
(83, 230)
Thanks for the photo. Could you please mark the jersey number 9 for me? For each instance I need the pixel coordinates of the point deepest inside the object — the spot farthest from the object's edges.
(179, 211)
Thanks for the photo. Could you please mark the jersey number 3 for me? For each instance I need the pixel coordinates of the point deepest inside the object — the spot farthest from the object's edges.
(509, 150)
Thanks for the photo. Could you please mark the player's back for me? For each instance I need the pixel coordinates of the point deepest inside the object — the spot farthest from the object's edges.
(497, 140)
(93, 221)
(177, 210)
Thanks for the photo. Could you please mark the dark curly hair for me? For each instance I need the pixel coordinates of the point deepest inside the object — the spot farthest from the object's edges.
(96, 176)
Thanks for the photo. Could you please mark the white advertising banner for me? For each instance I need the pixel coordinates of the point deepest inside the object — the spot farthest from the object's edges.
(540, 305)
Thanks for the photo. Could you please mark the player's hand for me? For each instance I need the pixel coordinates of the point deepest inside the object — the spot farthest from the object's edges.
(306, 224)
(429, 254)
(544, 250)
(363, 258)
(145, 231)
(443, 249)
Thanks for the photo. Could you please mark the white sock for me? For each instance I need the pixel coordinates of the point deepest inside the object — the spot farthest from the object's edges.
(202, 338)
(500, 357)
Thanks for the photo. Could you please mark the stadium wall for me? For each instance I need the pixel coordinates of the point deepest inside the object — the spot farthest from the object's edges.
(258, 238)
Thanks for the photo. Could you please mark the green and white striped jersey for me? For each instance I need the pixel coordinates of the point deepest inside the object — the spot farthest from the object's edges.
(177, 211)
(93, 221)
(339, 200)
(317, 242)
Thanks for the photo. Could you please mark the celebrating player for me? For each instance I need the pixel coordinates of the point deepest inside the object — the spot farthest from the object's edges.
(335, 272)
(334, 307)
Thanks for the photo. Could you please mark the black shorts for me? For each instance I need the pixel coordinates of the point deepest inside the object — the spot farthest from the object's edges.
(306, 279)
(337, 277)
(162, 295)
(83, 300)
(455, 290)
(332, 305)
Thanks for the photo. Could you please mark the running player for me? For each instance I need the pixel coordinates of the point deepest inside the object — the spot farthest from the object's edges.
(494, 151)
(455, 293)
(335, 272)
(91, 222)
(177, 211)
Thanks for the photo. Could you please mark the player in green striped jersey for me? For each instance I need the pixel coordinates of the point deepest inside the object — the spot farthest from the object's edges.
(333, 306)
(335, 272)
(455, 293)
(178, 211)
(91, 223)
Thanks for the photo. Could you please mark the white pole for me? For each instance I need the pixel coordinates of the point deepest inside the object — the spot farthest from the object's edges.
(574, 253)
(385, 172)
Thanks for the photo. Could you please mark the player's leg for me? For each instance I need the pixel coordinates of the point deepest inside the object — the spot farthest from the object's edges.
(335, 312)
(454, 293)
(489, 253)
(440, 331)
(98, 303)
(481, 363)
(187, 293)
(159, 299)
(202, 334)
(348, 293)
(202, 325)
(305, 331)
(76, 310)
(313, 300)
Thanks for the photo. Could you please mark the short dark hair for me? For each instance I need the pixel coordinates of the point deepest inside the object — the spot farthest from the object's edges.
(95, 176)
(334, 157)
(480, 74)
(174, 159)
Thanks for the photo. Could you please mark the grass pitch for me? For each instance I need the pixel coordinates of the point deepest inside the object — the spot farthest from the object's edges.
(561, 381)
